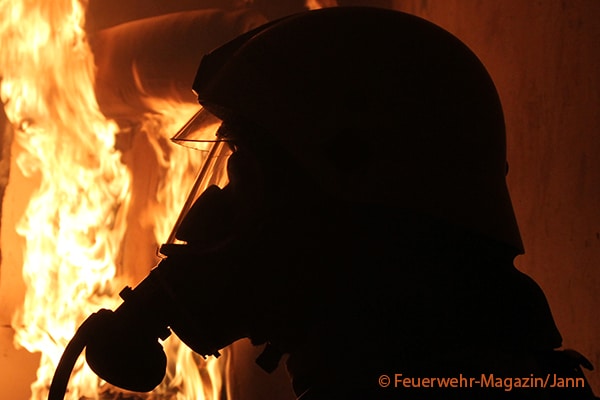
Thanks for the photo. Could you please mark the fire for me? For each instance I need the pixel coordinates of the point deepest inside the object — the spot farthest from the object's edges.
(75, 221)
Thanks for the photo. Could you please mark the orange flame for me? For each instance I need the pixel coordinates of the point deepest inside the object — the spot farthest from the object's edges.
(74, 223)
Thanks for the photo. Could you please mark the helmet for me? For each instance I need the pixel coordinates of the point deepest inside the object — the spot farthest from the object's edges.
(378, 107)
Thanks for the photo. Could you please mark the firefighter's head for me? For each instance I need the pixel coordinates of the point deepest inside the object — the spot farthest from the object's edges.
(372, 106)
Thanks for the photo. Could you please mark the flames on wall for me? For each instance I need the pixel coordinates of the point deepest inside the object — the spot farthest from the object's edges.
(76, 221)
(85, 224)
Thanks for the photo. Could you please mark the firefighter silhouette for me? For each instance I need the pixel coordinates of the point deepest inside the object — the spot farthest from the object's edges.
(366, 231)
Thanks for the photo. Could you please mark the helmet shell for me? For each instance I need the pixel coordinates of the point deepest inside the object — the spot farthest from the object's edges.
(379, 106)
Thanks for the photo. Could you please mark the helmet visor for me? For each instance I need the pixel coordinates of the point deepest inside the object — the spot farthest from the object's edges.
(200, 132)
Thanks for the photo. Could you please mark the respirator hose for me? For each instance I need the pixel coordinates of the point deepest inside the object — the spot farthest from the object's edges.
(74, 348)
